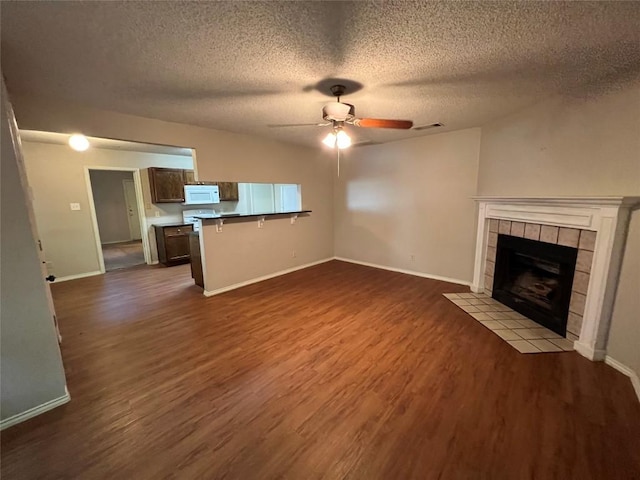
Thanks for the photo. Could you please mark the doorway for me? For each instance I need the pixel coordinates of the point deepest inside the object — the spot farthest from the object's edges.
(117, 219)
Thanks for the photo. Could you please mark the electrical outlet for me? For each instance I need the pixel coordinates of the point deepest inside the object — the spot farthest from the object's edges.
(157, 213)
(413, 258)
(74, 206)
(293, 254)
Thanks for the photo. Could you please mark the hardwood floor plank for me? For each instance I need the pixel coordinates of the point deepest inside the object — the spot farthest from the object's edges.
(336, 371)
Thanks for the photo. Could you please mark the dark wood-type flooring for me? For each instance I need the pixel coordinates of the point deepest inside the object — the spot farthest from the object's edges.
(336, 371)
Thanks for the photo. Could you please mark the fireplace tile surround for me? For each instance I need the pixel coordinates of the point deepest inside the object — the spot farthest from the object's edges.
(596, 226)
(569, 237)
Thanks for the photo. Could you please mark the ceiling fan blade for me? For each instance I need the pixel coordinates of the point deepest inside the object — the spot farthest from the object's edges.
(382, 123)
(278, 125)
(427, 127)
(364, 144)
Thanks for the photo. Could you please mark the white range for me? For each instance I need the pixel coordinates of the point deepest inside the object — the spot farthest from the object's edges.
(192, 216)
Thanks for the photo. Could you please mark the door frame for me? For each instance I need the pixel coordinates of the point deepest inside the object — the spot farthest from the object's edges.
(141, 211)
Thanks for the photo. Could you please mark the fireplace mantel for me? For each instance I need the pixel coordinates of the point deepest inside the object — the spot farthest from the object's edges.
(607, 216)
(594, 201)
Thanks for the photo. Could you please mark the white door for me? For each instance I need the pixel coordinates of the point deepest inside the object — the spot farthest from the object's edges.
(132, 209)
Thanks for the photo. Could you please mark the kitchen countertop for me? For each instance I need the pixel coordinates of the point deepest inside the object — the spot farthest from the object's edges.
(171, 224)
(250, 215)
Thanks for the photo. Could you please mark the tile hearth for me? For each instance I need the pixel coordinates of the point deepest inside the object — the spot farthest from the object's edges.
(523, 334)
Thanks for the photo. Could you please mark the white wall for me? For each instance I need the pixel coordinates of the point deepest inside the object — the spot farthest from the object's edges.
(220, 156)
(57, 176)
(111, 207)
(31, 371)
(411, 197)
(584, 144)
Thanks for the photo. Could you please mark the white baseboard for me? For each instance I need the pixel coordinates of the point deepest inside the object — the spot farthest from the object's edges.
(211, 293)
(588, 352)
(408, 272)
(622, 368)
(79, 275)
(35, 411)
(120, 241)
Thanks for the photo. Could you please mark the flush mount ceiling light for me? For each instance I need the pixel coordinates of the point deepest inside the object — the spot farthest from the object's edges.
(78, 142)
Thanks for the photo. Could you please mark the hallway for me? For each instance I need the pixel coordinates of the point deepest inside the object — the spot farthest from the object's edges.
(122, 255)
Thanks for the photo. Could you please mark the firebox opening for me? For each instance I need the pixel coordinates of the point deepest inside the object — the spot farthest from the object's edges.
(535, 279)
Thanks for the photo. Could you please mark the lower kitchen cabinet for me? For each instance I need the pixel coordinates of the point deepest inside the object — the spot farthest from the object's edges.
(173, 243)
(196, 259)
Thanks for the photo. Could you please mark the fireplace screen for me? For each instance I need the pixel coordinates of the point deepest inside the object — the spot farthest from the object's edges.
(535, 279)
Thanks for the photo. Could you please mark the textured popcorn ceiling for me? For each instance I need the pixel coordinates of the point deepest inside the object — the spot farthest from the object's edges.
(239, 66)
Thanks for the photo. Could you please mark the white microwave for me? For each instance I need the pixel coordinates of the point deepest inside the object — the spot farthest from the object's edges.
(201, 194)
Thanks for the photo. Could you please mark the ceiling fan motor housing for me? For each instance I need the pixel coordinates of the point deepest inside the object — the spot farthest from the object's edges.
(339, 112)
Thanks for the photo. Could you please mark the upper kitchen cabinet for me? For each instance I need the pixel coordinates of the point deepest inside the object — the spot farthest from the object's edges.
(189, 176)
(228, 191)
(167, 184)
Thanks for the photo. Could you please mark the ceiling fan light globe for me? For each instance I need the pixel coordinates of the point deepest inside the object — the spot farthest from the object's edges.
(330, 140)
(337, 111)
(343, 140)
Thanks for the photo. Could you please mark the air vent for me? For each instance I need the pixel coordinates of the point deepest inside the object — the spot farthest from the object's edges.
(427, 127)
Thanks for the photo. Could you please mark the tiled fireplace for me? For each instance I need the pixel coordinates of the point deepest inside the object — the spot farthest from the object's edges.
(581, 240)
(591, 230)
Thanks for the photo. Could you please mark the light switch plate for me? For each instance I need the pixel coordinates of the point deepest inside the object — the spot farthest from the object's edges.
(74, 206)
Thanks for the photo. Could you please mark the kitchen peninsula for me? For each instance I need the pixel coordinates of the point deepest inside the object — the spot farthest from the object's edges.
(261, 242)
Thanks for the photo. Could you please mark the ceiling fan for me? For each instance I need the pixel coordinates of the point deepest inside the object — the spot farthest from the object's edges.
(338, 114)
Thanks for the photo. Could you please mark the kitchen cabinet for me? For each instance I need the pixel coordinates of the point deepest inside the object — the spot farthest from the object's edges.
(228, 191)
(167, 184)
(173, 243)
(189, 176)
(196, 259)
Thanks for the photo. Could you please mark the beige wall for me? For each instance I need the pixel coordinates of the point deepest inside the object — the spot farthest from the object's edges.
(219, 156)
(411, 197)
(567, 145)
(624, 336)
(111, 208)
(259, 251)
(576, 145)
(57, 177)
(31, 371)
